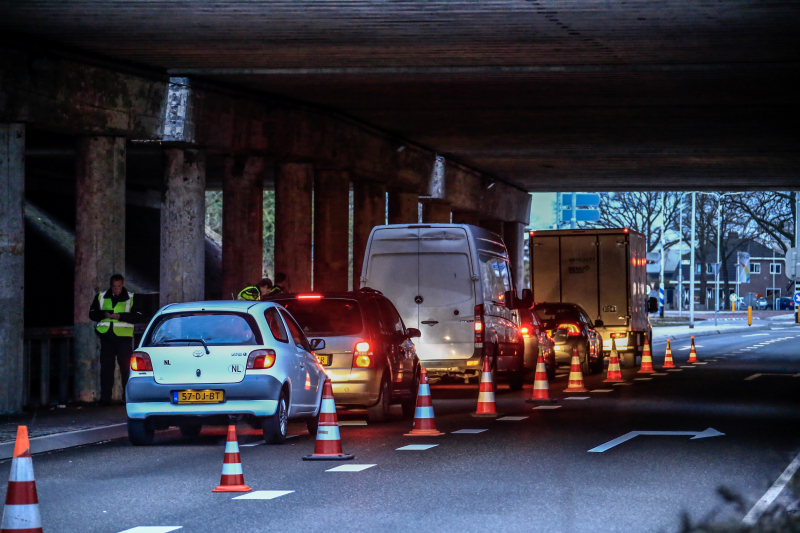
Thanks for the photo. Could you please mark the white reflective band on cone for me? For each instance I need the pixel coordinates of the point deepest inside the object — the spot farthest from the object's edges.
(231, 469)
(21, 469)
(485, 397)
(22, 517)
(423, 412)
(424, 390)
(328, 406)
(329, 433)
(540, 385)
(232, 447)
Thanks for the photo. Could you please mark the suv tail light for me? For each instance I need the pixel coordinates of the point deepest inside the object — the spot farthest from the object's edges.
(141, 362)
(260, 359)
(362, 355)
(572, 329)
(479, 323)
(526, 332)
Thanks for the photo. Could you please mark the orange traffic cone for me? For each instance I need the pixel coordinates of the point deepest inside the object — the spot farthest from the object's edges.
(329, 445)
(692, 353)
(541, 387)
(21, 514)
(424, 424)
(614, 373)
(232, 479)
(575, 374)
(668, 357)
(486, 406)
(647, 359)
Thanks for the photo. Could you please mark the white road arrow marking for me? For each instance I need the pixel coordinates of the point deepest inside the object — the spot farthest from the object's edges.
(710, 432)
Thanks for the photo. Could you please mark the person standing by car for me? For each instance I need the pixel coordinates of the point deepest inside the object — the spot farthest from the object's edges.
(277, 288)
(264, 286)
(115, 314)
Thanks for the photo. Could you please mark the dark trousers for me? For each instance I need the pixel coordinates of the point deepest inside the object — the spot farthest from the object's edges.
(114, 348)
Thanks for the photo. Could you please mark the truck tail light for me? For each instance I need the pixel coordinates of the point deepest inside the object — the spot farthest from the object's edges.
(260, 359)
(572, 329)
(362, 355)
(479, 323)
(141, 362)
(618, 335)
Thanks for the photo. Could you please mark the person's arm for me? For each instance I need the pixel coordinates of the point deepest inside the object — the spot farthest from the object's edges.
(134, 316)
(95, 313)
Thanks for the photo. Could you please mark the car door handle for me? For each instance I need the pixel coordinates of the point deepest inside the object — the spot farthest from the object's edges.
(430, 322)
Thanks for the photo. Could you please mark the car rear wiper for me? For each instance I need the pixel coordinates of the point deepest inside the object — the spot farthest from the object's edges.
(201, 341)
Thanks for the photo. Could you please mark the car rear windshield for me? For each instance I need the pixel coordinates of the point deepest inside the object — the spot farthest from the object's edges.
(214, 328)
(552, 315)
(326, 317)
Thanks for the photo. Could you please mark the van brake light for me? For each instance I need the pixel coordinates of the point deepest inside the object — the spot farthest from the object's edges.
(260, 359)
(479, 323)
(140, 361)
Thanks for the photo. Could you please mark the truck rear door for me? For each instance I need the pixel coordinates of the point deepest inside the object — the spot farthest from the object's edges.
(579, 272)
(614, 280)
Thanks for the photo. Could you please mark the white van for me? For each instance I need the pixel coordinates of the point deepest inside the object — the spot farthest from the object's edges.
(452, 282)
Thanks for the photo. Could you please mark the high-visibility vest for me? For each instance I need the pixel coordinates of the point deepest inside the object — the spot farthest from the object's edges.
(121, 329)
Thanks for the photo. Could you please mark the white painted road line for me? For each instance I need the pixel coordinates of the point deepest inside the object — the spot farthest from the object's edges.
(470, 431)
(561, 375)
(512, 418)
(263, 495)
(755, 376)
(577, 398)
(352, 422)
(350, 468)
(642, 379)
(547, 407)
(658, 374)
(152, 529)
(688, 366)
(776, 488)
(622, 384)
(602, 390)
(417, 447)
(710, 432)
(701, 363)
(674, 370)
(757, 335)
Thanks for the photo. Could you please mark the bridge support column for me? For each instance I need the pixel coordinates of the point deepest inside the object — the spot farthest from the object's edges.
(436, 212)
(465, 217)
(403, 208)
(12, 266)
(514, 237)
(242, 223)
(183, 225)
(294, 184)
(369, 210)
(99, 246)
(331, 221)
(495, 226)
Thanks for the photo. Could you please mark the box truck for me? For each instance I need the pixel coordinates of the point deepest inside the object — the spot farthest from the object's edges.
(603, 271)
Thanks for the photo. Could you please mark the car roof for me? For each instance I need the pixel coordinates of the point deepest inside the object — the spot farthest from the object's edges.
(236, 306)
(353, 295)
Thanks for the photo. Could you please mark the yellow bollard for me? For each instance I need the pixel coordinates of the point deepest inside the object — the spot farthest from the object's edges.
(733, 307)
(749, 316)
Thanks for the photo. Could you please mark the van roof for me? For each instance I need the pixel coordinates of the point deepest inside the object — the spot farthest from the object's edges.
(485, 240)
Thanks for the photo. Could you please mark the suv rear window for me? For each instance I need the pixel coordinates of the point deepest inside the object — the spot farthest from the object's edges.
(326, 317)
(553, 313)
(216, 329)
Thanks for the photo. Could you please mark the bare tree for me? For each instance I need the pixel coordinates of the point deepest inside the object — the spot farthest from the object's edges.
(640, 211)
(773, 213)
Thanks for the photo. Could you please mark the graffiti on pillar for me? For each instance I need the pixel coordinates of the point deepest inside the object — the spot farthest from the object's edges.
(437, 179)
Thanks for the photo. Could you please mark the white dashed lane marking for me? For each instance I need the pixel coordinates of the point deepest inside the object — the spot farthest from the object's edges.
(547, 407)
(512, 418)
(602, 390)
(577, 398)
(757, 335)
(152, 529)
(263, 495)
(642, 379)
(659, 374)
(674, 370)
(470, 431)
(622, 384)
(350, 468)
(417, 447)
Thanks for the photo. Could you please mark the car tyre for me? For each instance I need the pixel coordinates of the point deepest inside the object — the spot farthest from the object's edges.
(516, 380)
(191, 430)
(312, 424)
(140, 433)
(585, 368)
(410, 405)
(274, 427)
(380, 411)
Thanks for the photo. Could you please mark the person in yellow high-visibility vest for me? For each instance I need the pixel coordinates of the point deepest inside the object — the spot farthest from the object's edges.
(115, 313)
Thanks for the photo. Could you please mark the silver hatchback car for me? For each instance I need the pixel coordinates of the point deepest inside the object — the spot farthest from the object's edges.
(203, 362)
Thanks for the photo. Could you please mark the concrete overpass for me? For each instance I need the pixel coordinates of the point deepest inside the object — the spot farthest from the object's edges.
(112, 104)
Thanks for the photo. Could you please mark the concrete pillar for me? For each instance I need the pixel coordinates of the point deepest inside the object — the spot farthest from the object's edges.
(495, 226)
(331, 235)
(436, 213)
(12, 266)
(242, 223)
(514, 237)
(183, 226)
(403, 208)
(99, 246)
(294, 184)
(369, 210)
(465, 217)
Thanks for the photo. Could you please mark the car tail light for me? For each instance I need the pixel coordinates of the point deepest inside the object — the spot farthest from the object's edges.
(362, 355)
(572, 329)
(479, 323)
(309, 296)
(141, 362)
(525, 331)
(618, 335)
(260, 359)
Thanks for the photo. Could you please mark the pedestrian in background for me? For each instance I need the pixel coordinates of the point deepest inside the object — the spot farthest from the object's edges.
(277, 288)
(115, 314)
(265, 285)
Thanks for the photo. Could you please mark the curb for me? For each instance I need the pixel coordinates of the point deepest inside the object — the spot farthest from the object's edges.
(69, 439)
(706, 333)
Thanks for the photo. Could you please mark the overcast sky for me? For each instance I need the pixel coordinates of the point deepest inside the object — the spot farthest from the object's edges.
(543, 214)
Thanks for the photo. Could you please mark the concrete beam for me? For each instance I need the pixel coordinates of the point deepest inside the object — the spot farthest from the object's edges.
(294, 185)
(183, 213)
(242, 223)
(436, 212)
(403, 208)
(466, 217)
(369, 210)
(514, 237)
(331, 235)
(12, 266)
(467, 190)
(493, 225)
(99, 246)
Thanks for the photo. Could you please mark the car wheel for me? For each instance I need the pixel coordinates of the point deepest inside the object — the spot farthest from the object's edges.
(516, 380)
(585, 369)
(380, 411)
(274, 427)
(312, 424)
(191, 431)
(410, 405)
(140, 433)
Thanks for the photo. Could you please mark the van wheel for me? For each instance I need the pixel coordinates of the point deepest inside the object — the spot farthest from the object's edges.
(274, 427)
(139, 432)
(516, 380)
(380, 411)
(191, 431)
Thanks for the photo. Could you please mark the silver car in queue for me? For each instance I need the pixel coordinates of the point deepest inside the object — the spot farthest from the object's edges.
(203, 362)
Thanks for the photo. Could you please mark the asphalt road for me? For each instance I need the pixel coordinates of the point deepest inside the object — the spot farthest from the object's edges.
(533, 474)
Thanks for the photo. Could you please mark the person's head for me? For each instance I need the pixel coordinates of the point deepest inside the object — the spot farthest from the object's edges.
(264, 286)
(280, 277)
(117, 284)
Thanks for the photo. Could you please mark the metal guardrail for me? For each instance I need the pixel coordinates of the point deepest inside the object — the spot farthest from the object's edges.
(49, 364)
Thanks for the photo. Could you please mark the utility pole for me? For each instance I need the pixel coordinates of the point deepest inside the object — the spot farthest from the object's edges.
(663, 253)
(716, 276)
(796, 244)
(691, 271)
(680, 263)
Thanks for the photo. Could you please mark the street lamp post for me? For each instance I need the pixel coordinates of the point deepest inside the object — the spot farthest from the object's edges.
(663, 253)
(691, 268)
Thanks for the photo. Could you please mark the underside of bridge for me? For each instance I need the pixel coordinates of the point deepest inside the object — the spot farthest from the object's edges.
(116, 117)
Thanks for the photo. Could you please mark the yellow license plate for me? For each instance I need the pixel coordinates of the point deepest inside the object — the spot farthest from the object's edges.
(198, 396)
(324, 360)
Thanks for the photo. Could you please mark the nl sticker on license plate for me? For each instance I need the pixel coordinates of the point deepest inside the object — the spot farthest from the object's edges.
(324, 360)
(198, 396)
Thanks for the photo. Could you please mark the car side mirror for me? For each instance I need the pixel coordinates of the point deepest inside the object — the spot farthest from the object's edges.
(652, 304)
(599, 323)
(317, 344)
(413, 333)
